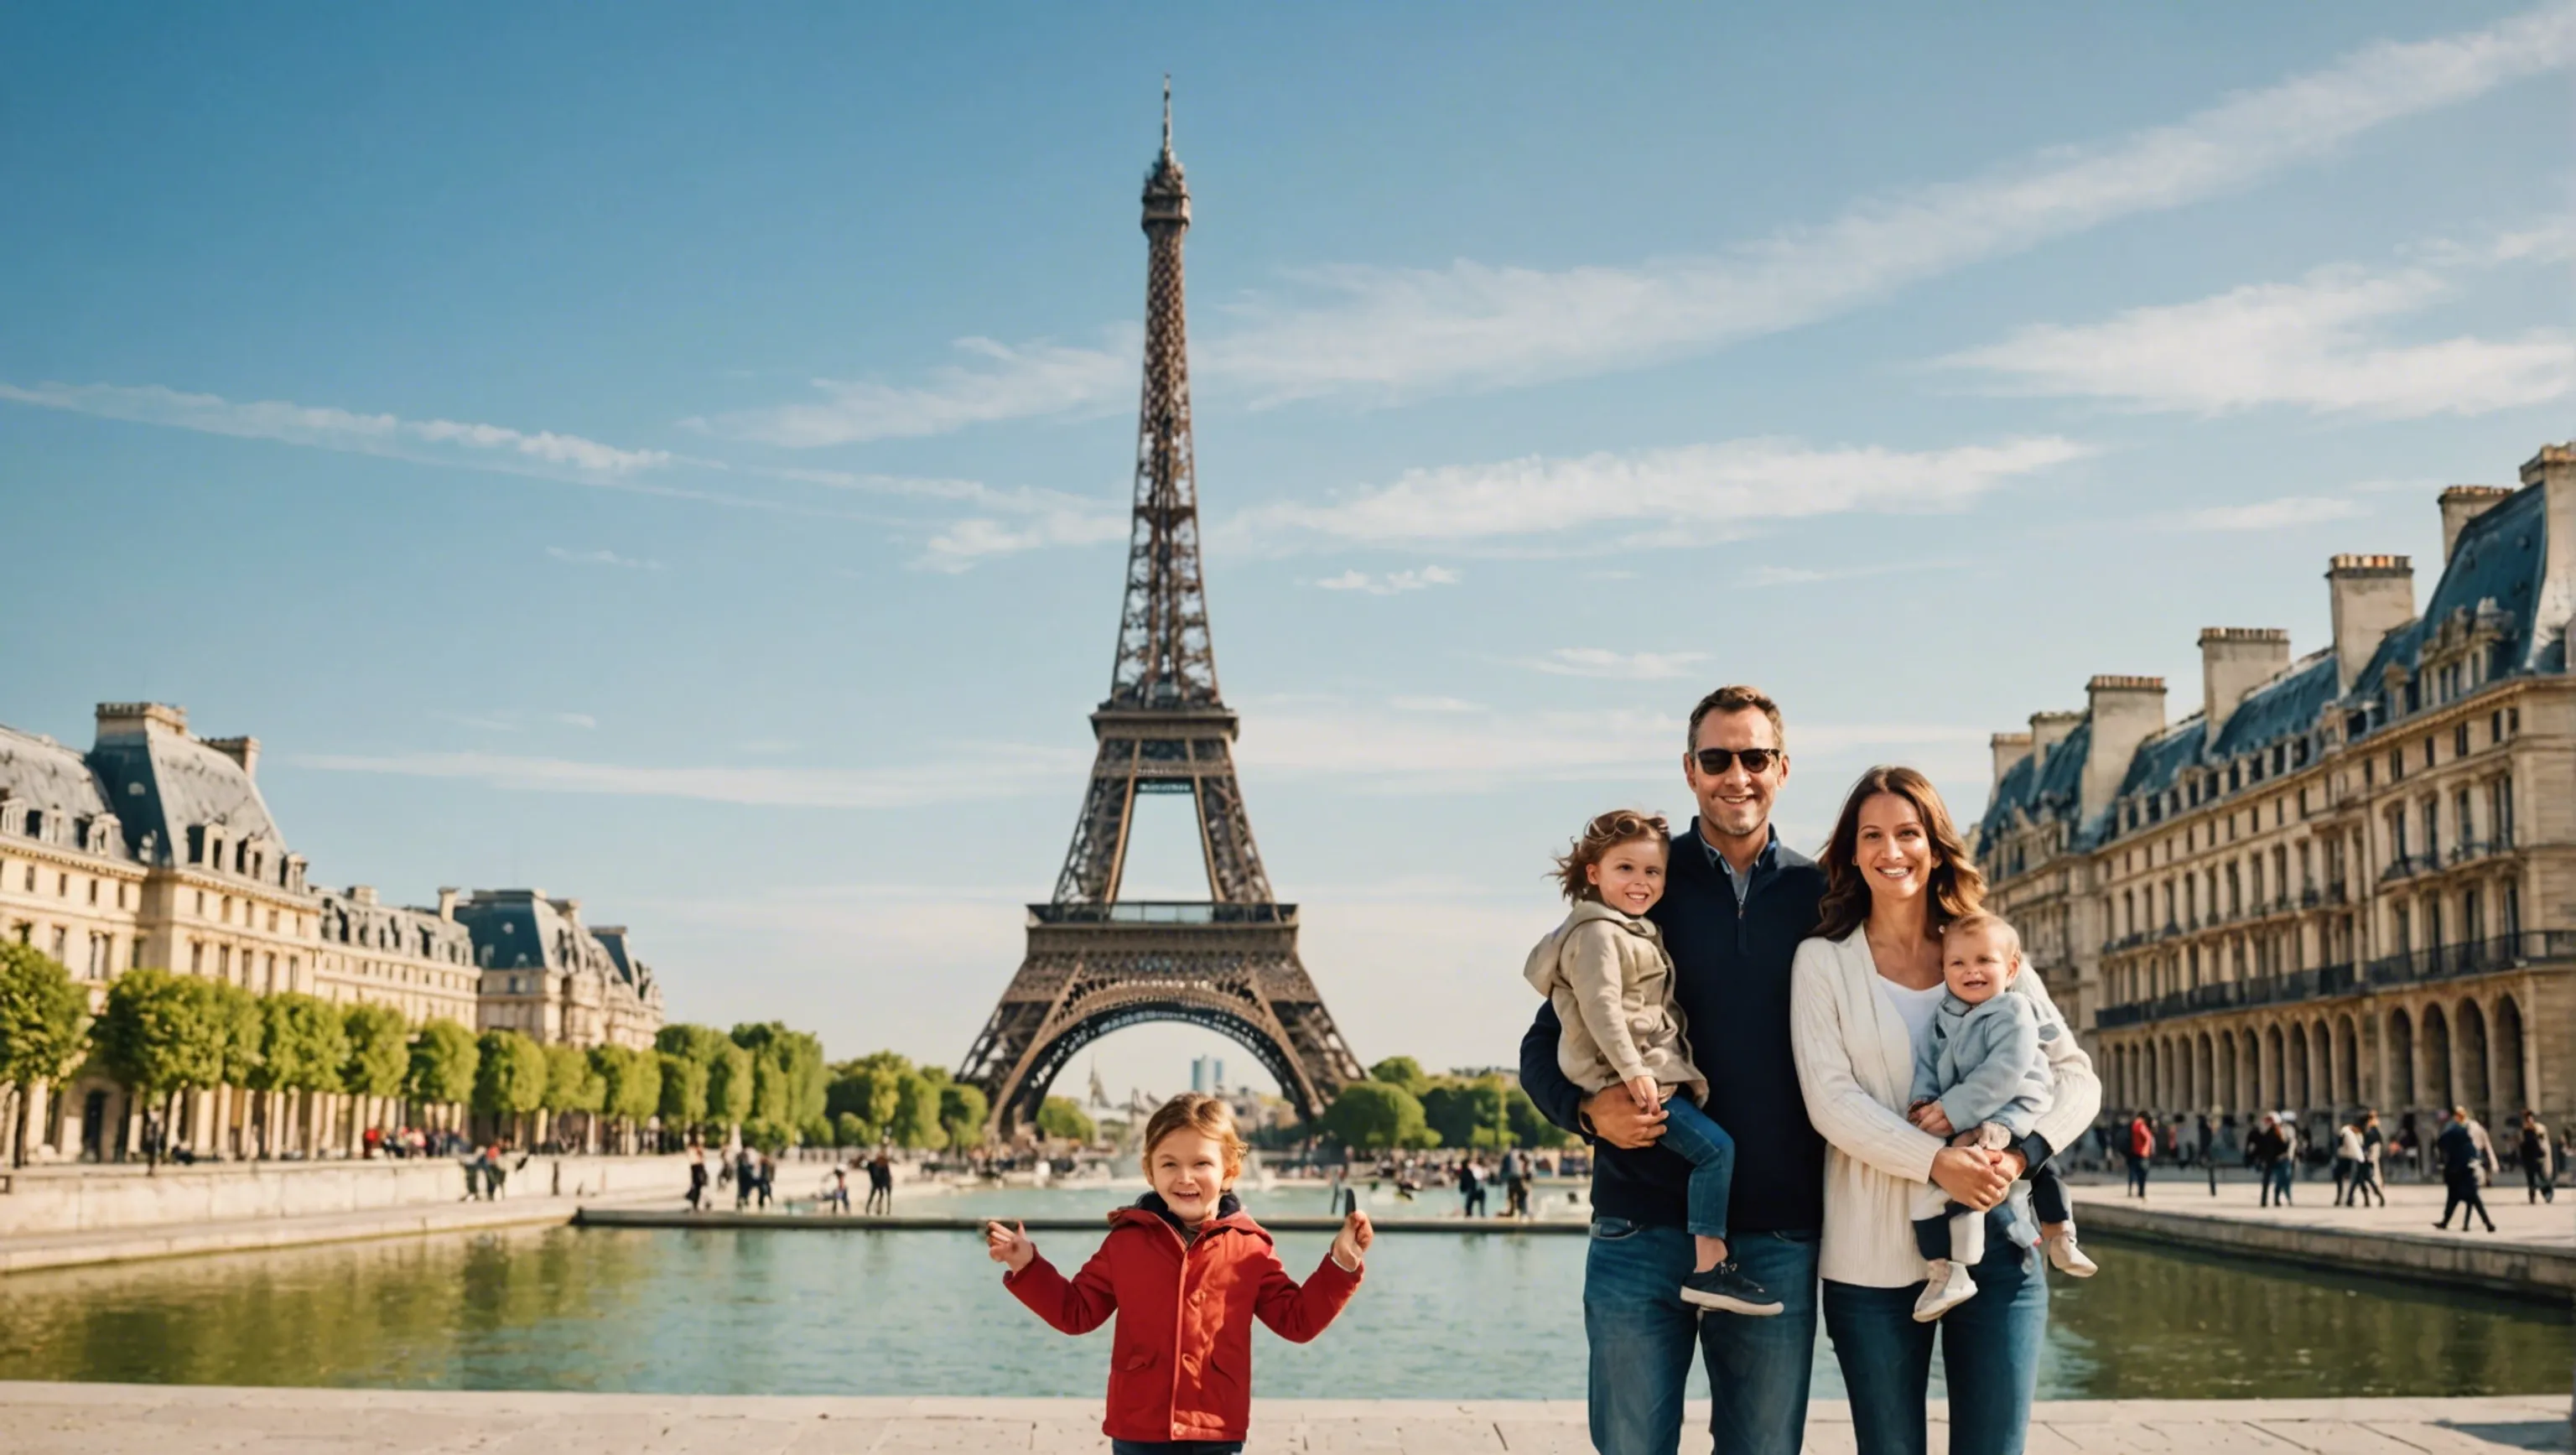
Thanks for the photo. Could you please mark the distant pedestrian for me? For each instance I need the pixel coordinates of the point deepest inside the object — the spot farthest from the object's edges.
(881, 1183)
(2462, 1164)
(2142, 1147)
(2347, 1156)
(2539, 1165)
(746, 1178)
(768, 1179)
(841, 1188)
(1471, 1190)
(697, 1175)
(2269, 1148)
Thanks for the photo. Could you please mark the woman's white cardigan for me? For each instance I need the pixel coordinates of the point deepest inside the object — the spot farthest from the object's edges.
(1856, 1067)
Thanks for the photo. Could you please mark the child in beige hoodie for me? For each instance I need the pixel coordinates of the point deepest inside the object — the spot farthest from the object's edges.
(1612, 984)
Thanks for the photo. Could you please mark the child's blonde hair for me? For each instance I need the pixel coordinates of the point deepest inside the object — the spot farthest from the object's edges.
(1990, 922)
(1606, 832)
(1194, 1111)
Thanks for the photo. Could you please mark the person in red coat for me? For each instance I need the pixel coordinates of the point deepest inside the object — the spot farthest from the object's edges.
(1186, 1270)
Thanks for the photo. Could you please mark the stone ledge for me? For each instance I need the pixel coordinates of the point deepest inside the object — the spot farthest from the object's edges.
(114, 1419)
(2520, 1269)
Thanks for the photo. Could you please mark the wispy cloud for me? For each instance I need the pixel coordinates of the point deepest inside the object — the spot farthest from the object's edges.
(1390, 583)
(1478, 324)
(602, 557)
(962, 545)
(1693, 494)
(996, 771)
(576, 719)
(2316, 344)
(1004, 381)
(1392, 331)
(2289, 510)
(486, 445)
(1435, 704)
(1623, 666)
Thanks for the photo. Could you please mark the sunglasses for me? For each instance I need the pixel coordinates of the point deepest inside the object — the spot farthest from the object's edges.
(1713, 761)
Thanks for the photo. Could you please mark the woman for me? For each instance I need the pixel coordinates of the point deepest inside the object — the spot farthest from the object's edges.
(1863, 994)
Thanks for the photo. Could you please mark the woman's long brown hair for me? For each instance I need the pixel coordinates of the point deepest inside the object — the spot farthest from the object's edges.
(1957, 886)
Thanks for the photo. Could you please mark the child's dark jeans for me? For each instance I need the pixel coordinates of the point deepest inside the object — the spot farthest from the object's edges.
(1711, 1153)
(1176, 1447)
(2047, 1203)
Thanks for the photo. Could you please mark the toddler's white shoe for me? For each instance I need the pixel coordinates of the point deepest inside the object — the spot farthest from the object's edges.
(1948, 1287)
(2069, 1259)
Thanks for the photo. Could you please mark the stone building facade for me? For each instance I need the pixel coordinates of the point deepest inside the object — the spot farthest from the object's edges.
(155, 847)
(549, 976)
(2348, 879)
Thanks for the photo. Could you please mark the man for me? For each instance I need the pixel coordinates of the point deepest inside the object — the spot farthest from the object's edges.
(2462, 1162)
(2374, 1146)
(1736, 904)
(2539, 1173)
(2142, 1146)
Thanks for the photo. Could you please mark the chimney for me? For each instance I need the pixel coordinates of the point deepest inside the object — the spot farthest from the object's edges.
(133, 719)
(2047, 730)
(2554, 471)
(447, 905)
(244, 751)
(2234, 660)
(2126, 711)
(2371, 596)
(2009, 748)
(2462, 504)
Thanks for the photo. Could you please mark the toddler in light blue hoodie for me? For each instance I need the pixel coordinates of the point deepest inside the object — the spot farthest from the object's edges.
(1983, 1081)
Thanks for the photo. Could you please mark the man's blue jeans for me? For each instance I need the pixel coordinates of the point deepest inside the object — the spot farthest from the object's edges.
(1992, 1366)
(1641, 1336)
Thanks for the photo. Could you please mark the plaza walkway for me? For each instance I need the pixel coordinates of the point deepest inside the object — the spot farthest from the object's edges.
(2412, 1206)
(114, 1419)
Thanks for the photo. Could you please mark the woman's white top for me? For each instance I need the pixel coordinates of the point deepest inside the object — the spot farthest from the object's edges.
(1919, 1008)
(1855, 1055)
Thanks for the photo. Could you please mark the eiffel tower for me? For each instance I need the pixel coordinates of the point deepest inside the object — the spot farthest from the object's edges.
(1097, 963)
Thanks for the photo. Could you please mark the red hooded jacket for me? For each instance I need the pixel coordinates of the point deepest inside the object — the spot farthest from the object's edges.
(1180, 1361)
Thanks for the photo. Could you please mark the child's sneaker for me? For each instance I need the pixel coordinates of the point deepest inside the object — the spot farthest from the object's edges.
(1726, 1289)
(1949, 1287)
(2069, 1259)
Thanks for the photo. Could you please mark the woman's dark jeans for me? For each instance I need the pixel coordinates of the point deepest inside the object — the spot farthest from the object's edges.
(1992, 1365)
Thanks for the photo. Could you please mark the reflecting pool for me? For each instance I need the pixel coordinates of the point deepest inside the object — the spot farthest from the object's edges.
(745, 1312)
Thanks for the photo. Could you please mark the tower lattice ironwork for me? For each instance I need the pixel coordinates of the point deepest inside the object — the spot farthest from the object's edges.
(1096, 963)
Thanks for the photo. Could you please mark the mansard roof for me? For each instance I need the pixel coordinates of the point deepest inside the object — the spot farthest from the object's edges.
(2158, 763)
(165, 782)
(354, 916)
(521, 929)
(2286, 706)
(40, 774)
(2494, 580)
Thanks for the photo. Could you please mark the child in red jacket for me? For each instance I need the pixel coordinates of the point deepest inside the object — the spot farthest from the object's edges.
(1186, 1270)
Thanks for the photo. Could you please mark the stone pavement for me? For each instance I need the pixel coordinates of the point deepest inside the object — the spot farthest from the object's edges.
(2412, 1206)
(114, 1419)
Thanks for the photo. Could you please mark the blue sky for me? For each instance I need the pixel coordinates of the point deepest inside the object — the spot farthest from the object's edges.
(679, 460)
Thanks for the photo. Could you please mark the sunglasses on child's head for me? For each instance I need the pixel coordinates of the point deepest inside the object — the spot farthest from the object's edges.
(1713, 761)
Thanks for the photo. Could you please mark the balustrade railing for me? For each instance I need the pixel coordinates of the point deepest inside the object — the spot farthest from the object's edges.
(2324, 982)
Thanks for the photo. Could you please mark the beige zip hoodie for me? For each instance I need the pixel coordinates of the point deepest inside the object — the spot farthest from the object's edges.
(1612, 984)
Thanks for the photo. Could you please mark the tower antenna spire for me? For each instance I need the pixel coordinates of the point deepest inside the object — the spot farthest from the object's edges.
(1167, 113)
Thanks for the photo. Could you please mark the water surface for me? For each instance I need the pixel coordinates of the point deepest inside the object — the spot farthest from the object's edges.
(715, 1311)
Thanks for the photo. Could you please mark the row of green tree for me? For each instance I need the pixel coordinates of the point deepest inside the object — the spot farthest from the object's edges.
(163, 1036)
(1401, 1106)
(884, 1098)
